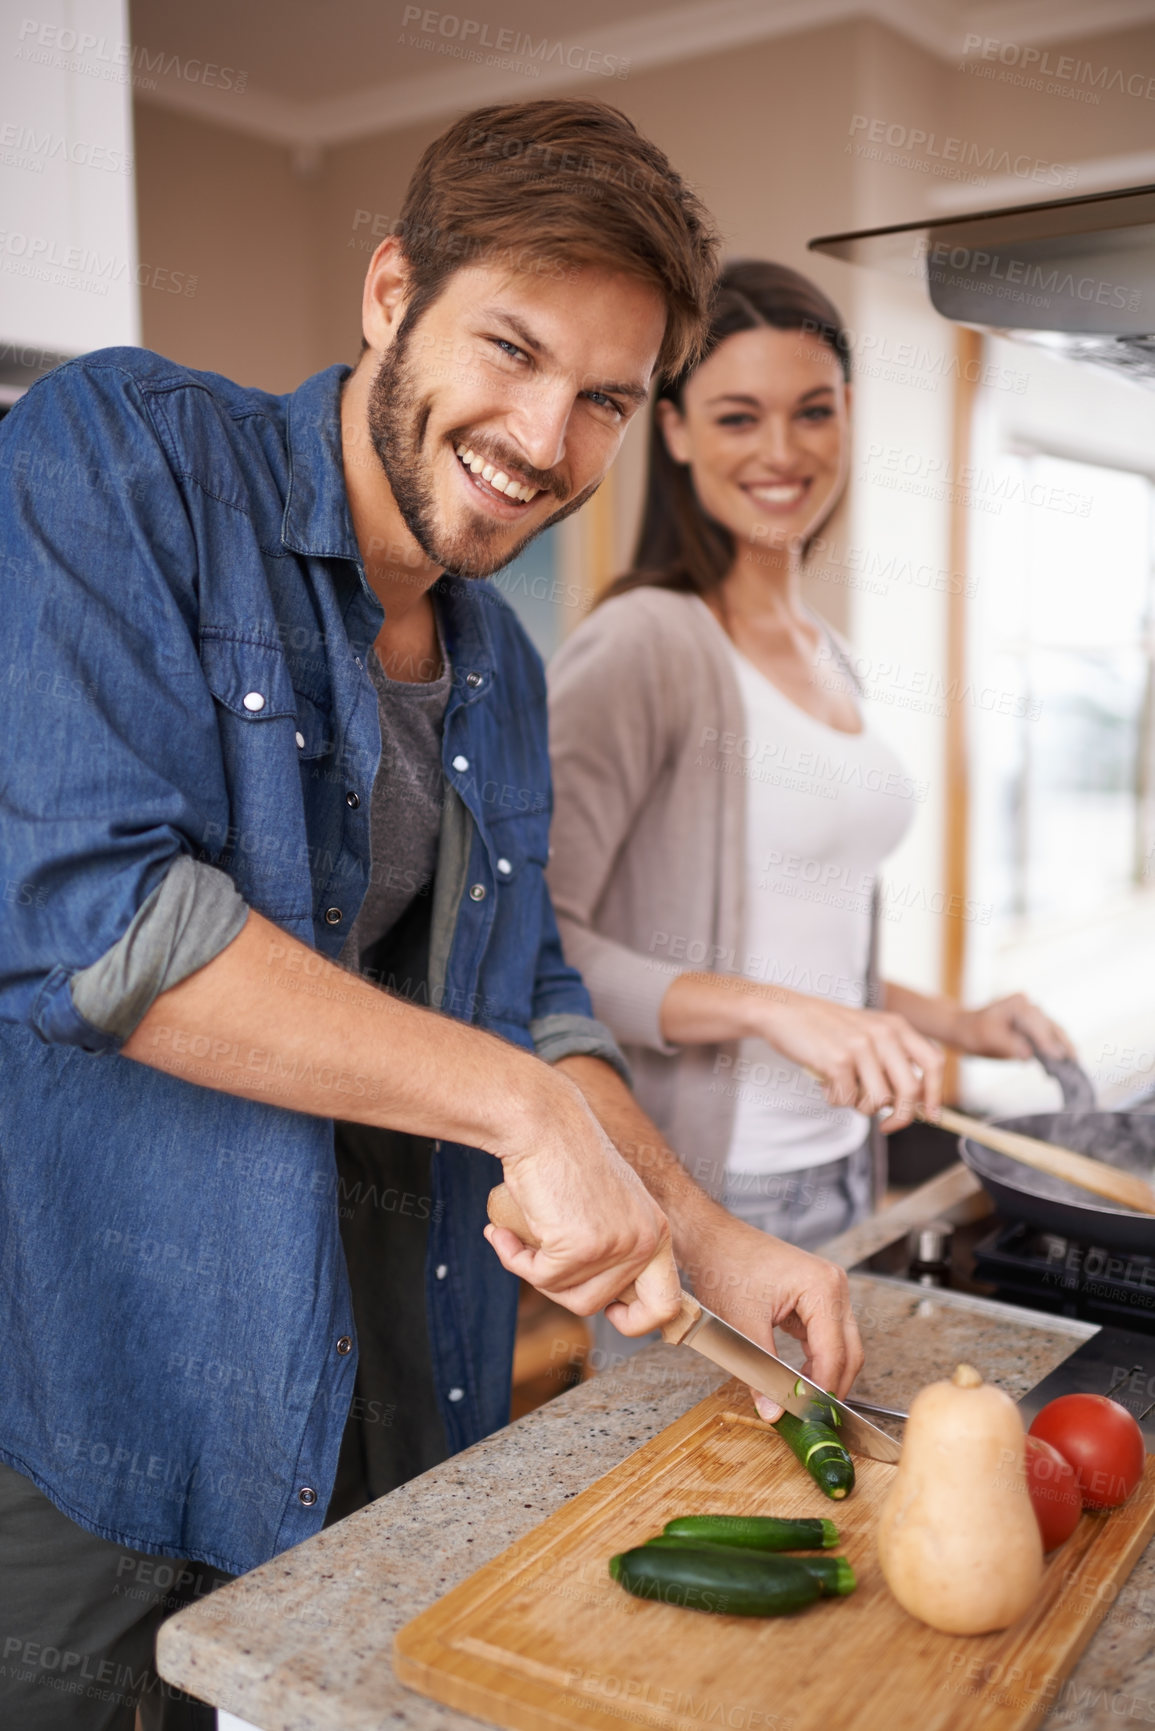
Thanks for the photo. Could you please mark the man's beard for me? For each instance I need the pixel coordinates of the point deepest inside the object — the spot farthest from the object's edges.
(399, 417)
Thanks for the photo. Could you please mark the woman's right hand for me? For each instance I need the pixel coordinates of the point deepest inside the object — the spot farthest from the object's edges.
(869, 1059)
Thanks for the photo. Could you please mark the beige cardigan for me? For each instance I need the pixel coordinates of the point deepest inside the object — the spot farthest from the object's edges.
(648, 844)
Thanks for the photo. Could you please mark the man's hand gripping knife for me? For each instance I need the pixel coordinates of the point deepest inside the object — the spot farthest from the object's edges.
(511, 1236)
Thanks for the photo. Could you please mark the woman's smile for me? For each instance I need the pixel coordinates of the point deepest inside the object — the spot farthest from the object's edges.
(778, 498)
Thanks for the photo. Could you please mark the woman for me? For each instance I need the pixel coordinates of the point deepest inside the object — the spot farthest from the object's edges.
(722, 805)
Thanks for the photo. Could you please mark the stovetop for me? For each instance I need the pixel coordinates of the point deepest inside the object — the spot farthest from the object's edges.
(1068, 1278)
(1006, 1260)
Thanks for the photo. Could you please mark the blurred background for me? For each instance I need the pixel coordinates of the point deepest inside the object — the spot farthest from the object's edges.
(210, 181)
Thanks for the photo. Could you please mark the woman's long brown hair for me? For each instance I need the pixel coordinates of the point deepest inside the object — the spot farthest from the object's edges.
(679, 545)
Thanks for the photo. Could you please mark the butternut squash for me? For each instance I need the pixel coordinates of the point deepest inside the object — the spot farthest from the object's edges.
(958, 1541)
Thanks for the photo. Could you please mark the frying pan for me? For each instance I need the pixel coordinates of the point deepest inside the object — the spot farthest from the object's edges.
(1122, 1139)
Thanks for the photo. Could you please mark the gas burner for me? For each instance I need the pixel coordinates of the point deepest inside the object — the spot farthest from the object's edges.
(1045, 1272)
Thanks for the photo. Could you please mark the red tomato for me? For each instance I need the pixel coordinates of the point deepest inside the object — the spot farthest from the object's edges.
(1055, 1495)
(1102, 1442)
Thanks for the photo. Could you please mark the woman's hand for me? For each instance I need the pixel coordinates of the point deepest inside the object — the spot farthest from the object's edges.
(868, 1059)
(999, 1030)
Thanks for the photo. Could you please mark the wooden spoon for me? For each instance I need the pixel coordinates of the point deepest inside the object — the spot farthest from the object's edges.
(1089, 1174)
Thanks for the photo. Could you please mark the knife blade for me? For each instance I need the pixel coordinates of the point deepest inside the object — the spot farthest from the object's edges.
(879, 1411)
(698, 1328)
(758, 1367)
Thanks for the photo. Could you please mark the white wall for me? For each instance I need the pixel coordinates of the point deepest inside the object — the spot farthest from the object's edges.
(899, 571)
(898, 522)
(68, 258)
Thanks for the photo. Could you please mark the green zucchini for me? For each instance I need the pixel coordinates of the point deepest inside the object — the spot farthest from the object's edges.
(820, 1452)
(755, 1532)
(834, 1575)
(729, 1583)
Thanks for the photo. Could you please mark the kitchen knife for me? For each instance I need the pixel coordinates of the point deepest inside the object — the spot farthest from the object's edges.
(699, 1328)
(881, 1411)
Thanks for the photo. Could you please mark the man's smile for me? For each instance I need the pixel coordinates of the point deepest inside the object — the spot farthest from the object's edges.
(495, 485)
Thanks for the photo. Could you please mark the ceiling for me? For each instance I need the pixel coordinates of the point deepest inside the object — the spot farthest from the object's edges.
(309, 73)
(317, 50)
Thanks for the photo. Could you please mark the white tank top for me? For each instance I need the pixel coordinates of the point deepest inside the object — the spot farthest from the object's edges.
(823, 809)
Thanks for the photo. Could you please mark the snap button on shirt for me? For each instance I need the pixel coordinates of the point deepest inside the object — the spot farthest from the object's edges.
(253, 700)
(300, 738)
(352, 801)
(460, 763)
(332, 916)
(457, 1394)
(473, 679)
(306, 1496)
(504, 866)
(344, 1345)
(477, 892)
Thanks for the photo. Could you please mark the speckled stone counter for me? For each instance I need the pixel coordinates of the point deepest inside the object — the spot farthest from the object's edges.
(304, 1643)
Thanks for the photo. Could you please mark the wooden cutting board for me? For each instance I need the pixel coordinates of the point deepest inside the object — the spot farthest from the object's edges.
(542, 1637)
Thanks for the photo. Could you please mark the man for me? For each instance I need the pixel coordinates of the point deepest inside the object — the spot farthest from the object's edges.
(227, 617)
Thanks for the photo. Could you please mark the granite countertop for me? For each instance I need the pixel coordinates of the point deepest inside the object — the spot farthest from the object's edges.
(305, 1642)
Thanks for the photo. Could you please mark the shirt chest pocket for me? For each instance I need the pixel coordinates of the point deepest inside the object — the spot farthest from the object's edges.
(252, 682)
(249, 680)
(265, 728)
(518, 844)
(519, 848)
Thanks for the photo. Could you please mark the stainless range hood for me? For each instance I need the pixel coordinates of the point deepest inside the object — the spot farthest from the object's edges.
(1076, 275)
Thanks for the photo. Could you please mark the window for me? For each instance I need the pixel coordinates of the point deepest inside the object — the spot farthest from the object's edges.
(1060, 720)
(1067, 786)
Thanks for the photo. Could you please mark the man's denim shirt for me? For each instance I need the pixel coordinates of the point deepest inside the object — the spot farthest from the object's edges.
(174, 1287)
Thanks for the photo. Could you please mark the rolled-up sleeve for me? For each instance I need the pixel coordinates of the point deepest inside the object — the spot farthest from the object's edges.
(193, 914)
(572, 1036)
(112, 765)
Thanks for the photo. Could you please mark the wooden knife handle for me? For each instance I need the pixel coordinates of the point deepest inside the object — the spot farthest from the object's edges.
(504, 1211)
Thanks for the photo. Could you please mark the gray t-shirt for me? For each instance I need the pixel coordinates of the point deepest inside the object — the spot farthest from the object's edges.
(196, 909)
(405, 807)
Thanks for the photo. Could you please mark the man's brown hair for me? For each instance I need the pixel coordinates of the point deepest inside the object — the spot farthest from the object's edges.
(548, 185)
